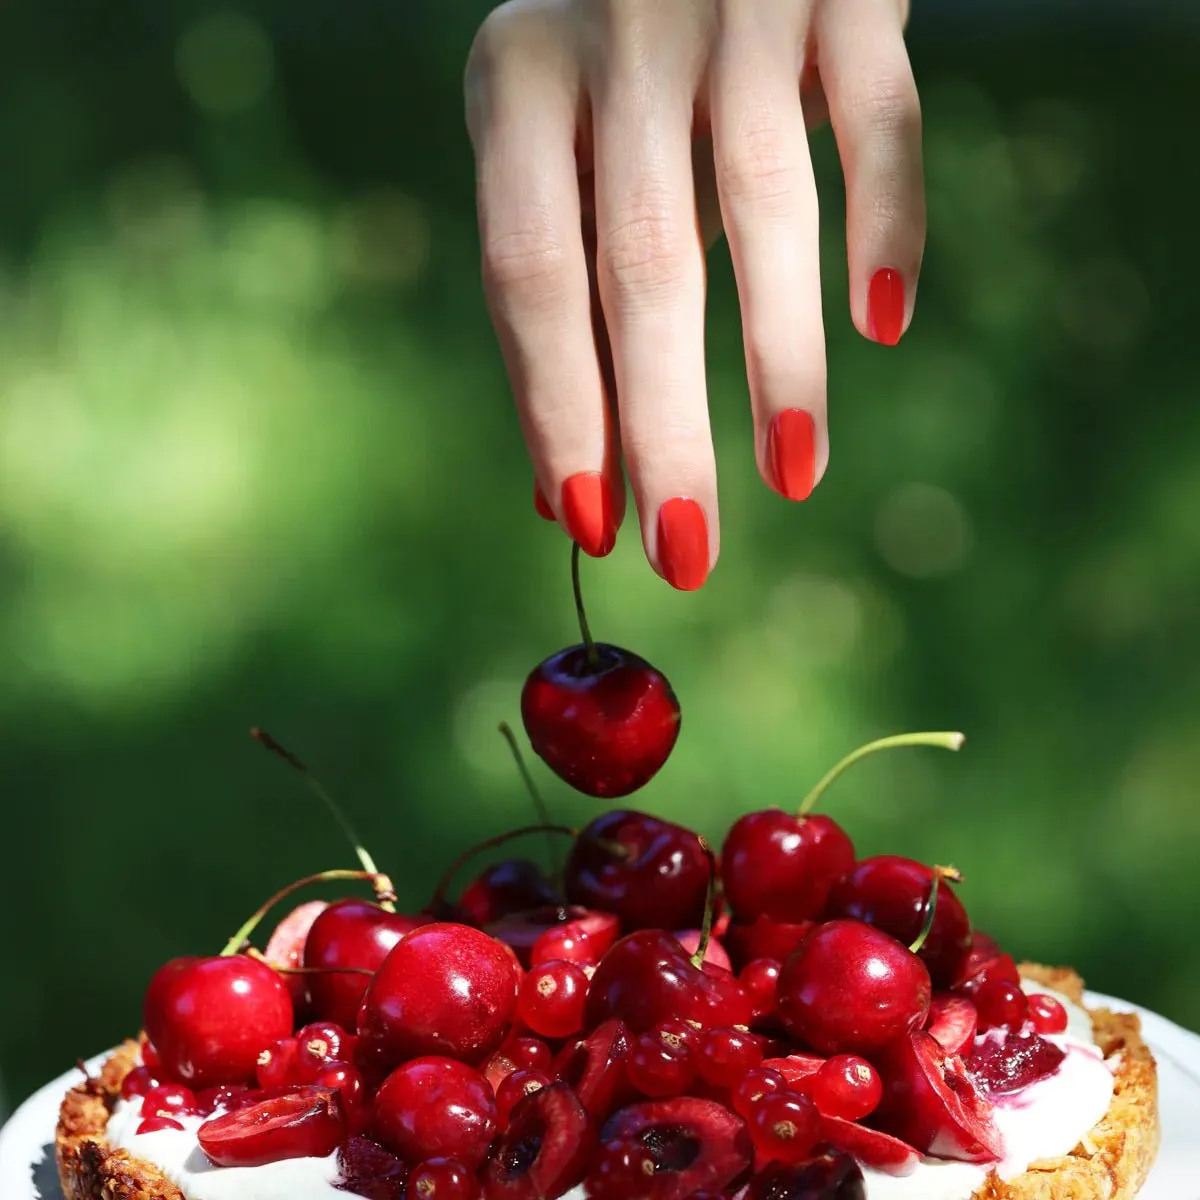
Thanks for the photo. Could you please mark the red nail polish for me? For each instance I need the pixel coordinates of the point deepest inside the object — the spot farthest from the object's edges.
(791, 447)
(683, 543)
(541, 503)
(589, 512)
(885, 306)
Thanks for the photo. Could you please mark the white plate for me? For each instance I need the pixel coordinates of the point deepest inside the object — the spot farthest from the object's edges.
(27, 1169)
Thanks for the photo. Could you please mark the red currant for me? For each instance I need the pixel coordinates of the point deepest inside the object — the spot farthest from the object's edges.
(1000, 1005)
(757, 1083)
(154, 1124)
(553, 997)
(442, 1179)
(1047, 1014)
(277, 1066)
(783, 1127)
(516, 1087)
(845, 1086)
(723, 1056)
(168, 1100)
(138, 1082)
(759, 978)
(660, 1064)
(320, 1043)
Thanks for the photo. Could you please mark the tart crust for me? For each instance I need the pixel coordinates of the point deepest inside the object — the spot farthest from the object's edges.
(1110, 1163)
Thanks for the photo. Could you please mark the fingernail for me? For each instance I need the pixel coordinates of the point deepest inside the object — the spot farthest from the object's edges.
(885, 306)
(683, 543)
(791, 445)
(589, 512)
(541, 503)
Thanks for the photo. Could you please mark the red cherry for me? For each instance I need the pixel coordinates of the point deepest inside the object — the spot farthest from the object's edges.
(444, 989)
(514, 1089)
(153, 999)
(603, 719)
(650, 873)
(552, 999)
(442, 1179)
(155, 1124)
(1007, 1062)
(753, 1086)
(660, 1063)
(435, 1108)
(623, 1169)
(714, 952)
(647, 978)
(892, 894)
(277, 1066)
(846, 1086)
(782, 866)
(873, 1149)
(168, 1100)
(211, 1018)
(593, 1067)
(852, 989)
(723, 1056)
(306, 1122)
(1047, 1014)
(584, 939)
(138, 1082)
(760, 980)
(545, 1149)
(1000, 1005)
(952, 1020)
(347, 1081)
(783, 1127)
(349, 933)
(763, 938)
(830, 1174)
(370, 1171)
(508, 886)
(286, 948)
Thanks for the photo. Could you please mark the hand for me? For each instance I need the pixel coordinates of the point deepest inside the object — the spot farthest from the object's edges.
(608, 134)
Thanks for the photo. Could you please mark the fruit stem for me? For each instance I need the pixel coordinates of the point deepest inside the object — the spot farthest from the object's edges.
(710, 904)
(584, 632)
(539, 805)
(940, 875)
(263, 738)
(947, 741)
(381, 883)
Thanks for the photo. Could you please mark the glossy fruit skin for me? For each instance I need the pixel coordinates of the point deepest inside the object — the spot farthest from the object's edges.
(852, 989)
(763, 937)
(1047, 1014)
(892, 893)
(211, 1018)
(870, 1147)
(605, 723)
(952, 1021)
(585, 938)
(545, 1149)
(305, 1123)
(1000, 1005)
(349, 933)
(552, 999)
(778, 865)
(623, 1170)
(723, 1056)
(847, 1087)
(442, 1179)
(514, 1089)
(435, 1107)
(660, 1064)
(658, 881)
(506, 887)
(593, 1067)
(783, 1127)
(647, 978)
(443, 990)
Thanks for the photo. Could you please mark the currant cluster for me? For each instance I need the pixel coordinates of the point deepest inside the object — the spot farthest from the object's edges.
(657, 1023)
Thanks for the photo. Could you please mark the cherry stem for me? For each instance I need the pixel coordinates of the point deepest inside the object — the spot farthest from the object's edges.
(946, 741)
(940, 875)
(438, 903)
(539, 805)
(580, 611)
(710, 904)
(381, 883)
(263, 738)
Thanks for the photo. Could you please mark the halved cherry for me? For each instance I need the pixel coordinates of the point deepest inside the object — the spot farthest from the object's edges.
(795, 1067)
(303, 1122)
(952, 1020)
(1007, 1062)
(594, 1068)
(871, 1147)
(545, 1149)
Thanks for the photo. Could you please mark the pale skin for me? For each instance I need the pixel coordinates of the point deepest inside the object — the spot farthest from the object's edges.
(613, 140)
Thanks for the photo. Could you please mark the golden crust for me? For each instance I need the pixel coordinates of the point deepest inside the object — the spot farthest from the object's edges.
(1111, 1163)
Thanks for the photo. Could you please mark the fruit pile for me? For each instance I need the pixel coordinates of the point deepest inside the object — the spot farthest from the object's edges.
(656, 1023)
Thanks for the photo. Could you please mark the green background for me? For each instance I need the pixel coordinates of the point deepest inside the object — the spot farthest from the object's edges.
(258, 465)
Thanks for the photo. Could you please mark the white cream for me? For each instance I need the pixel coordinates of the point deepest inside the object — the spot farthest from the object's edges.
(1046, 1120)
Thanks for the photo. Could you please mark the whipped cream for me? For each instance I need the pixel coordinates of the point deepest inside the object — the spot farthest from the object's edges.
(1046, 1120)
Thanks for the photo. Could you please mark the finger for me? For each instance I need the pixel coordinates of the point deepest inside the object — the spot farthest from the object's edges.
(650, 273)
(876, 118)
(769, 204)
(523, 103)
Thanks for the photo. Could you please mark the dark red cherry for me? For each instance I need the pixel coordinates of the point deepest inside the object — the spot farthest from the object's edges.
(763, 938)
(286, 949)
(892, 894)
(778, 865)
(349, 933)
(601, 718)
(852, 989)
(1007, 1062)
(545, 1149)
(210, 1019)
(306, 1122)
(650, 873)
(648, 978)
(366, 1169)
(593, 1067)
(505, 887)
(827, 1174)
(443, 990)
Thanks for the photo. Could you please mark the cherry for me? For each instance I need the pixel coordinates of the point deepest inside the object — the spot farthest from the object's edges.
(760, 981)
(155, 1124)
(154, 998)
(952, 1020)
(139, 1081)
(723, 1056)
(306, 1122)
(714, 952)
(506, 887)
(647, 977)
(320, 1043)
(277, 1066)
(368, 1170)
(584, 938)
(349, 933)
(763, 938)
(930, 1102)
(210, 1018)
(442, 1179)
(623, 1170)
(286, 947)
(553, 997)
(1047, 1014)
(517, 1054)
(874, 1149)
(753, 1086)
(603, 719)
(443, 989)
(829, 1174)
(435, 1107)
(545, 1149)
(1000, 1005)
(347, 1081)
(846, 1086)
(1003, 1063)
(515, 1088)
(892, 894)
(168, 1100)
(852, 989)
(978, 970)
(594, 1068)
(650, 873)
(660, 1063)
(783, 1127)
(698, 1145)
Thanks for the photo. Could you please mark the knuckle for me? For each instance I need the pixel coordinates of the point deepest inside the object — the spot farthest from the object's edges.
(527, 264)
(889, 104)
(642, 254)
(758, 167)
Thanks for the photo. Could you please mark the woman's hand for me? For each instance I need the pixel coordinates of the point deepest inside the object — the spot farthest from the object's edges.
(610, 136)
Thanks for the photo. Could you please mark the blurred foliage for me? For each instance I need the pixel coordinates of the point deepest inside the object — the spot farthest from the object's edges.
(258, 466)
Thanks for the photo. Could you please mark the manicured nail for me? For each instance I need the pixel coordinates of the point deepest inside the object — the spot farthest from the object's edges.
(791, 446)
(541, 503)
(885, 306)
(683, 543)
(589, 512)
